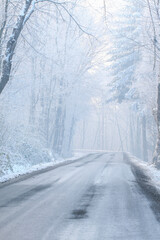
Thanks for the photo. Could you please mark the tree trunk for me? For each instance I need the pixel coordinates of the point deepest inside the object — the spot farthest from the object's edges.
(144, 137)
(138, 139)
(11, 45)
(156, 156)
(132, 146)
(59, 128)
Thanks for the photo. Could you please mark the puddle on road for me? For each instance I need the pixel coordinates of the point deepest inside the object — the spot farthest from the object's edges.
(81, 212)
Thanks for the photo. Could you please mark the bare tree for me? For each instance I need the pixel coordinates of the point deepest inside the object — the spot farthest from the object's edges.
(27, 9)
(154, 7)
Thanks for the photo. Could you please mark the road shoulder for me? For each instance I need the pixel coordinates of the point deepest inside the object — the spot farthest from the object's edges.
(146, 185)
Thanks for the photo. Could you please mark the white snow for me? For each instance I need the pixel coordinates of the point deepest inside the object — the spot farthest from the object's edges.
(150, 170)
(18, 170)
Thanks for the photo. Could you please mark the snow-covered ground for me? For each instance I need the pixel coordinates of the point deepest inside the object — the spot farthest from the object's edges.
(149, 169)
(14, 170)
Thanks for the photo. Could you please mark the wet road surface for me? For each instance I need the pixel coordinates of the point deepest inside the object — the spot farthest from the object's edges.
(99, 197)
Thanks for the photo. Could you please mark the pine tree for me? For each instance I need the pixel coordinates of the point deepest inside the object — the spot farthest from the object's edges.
(124, 33)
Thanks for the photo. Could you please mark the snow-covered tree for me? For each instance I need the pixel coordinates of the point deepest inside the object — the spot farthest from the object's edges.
(124, 29)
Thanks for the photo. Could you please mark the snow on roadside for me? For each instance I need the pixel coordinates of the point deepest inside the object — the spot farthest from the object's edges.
(150, 169)
(26, 169)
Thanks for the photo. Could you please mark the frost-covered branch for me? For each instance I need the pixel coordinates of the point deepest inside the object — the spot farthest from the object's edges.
(11, 45)
(27, 9)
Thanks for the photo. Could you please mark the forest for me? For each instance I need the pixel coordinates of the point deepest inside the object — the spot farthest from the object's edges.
(78, 75)
(79, 119)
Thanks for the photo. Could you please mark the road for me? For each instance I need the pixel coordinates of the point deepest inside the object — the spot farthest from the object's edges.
(95, 198)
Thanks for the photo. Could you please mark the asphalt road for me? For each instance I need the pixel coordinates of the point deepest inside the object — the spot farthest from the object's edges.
(97, 198)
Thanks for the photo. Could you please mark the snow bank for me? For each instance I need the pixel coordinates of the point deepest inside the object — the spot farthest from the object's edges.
(150, 169)
(23, 152)
(15, 165)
